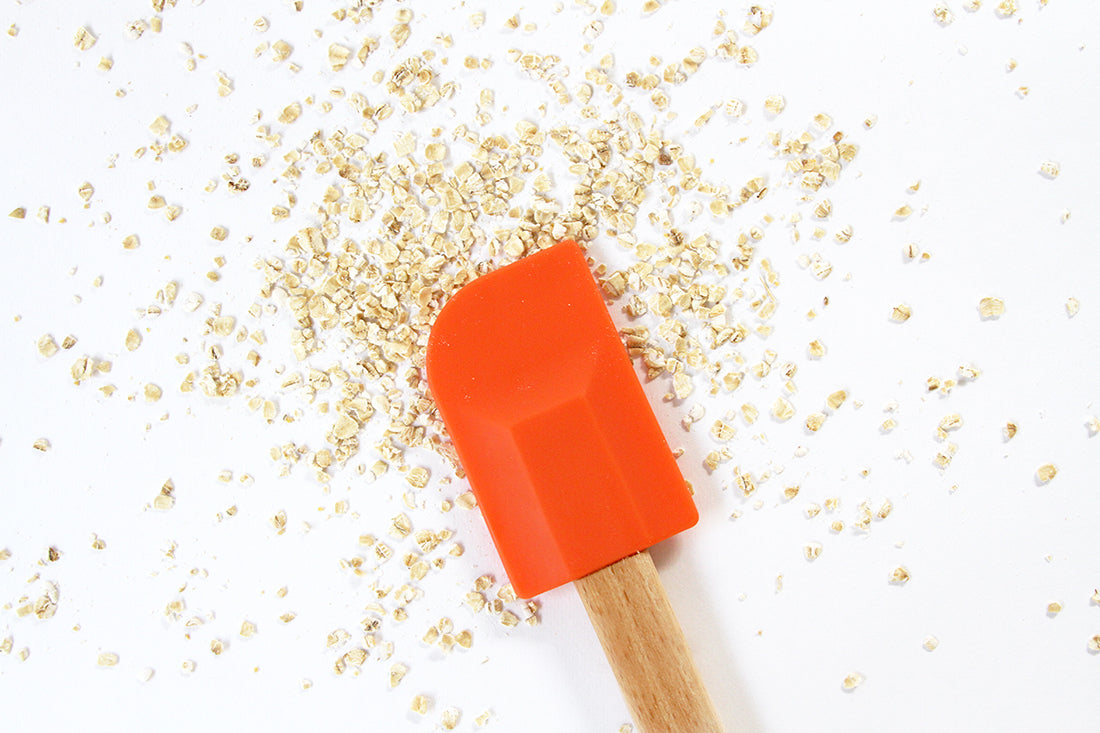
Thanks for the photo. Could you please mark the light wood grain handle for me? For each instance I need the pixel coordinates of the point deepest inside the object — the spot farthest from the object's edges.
(646, 647)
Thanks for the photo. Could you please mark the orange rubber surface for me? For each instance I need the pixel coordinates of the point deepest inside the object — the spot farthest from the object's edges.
(558, 440)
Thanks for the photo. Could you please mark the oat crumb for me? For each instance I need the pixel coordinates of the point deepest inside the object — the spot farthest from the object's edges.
(852, 681)
(450, 718)
(1049, 169)
(901, 313)
(84, 39)
(991, 308)
(47, 347)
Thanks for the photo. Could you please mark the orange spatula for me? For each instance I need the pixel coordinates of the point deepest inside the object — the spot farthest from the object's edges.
(569, 465)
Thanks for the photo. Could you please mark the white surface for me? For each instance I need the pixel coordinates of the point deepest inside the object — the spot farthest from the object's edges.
(988, 548)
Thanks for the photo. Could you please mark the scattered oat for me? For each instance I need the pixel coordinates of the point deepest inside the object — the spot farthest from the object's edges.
(47, 347)
(899, 575)
(133, 340)
(450, 718)
(1073, 306)
(950, 422)
(84, 39)
(397, 673)
(160, 126)
(836, 399)
(991, 308)
(901, 313)
(417, 477)
(420, 704)
(1050, 169)
(812, 550)
(338, 56)
(930, 643)
(782, 409)
(852, 681)
(1046, 472)
(41, 445)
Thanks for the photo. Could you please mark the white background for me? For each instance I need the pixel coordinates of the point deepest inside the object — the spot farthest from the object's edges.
(987, 546)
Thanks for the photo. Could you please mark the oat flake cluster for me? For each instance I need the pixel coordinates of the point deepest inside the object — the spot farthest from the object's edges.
(389, 223)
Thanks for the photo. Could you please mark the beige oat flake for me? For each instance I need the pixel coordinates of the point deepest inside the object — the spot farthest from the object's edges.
(84, 39)
(47, 347)
(991, 308)
(836, 399)
(852, 681)
(133, 340)
(782, 409)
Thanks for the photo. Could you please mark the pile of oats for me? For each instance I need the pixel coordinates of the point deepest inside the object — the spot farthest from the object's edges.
(401, 177)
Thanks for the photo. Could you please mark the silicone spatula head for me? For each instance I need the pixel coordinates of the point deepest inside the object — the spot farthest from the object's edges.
(558, 440)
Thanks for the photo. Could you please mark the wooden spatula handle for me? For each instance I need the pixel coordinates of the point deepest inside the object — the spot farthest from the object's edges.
(646, 647)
